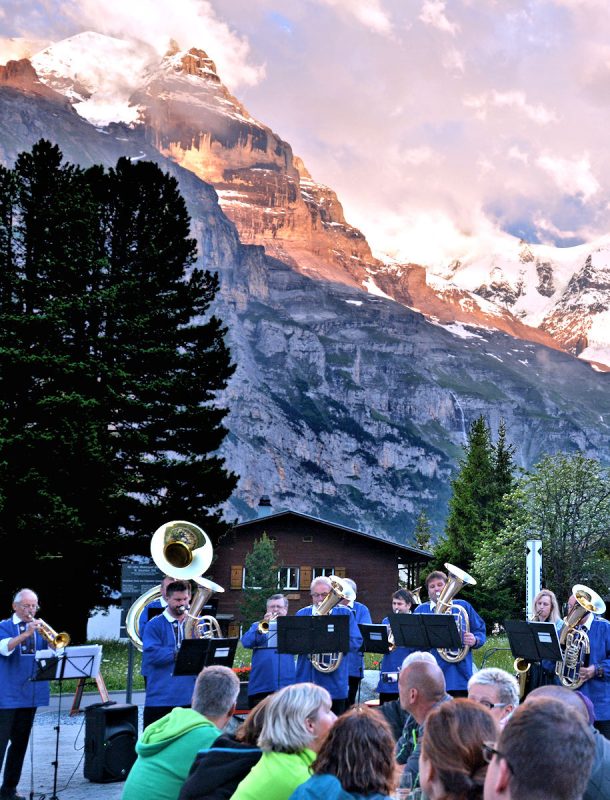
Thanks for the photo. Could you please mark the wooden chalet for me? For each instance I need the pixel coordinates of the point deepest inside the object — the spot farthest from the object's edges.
(308, 547)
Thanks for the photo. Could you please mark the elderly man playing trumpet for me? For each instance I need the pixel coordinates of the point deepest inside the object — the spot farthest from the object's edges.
(270, 670)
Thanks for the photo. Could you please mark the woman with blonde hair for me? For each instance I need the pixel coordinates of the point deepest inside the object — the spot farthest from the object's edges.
(546, 608)
(356, 760)
(451, 763)
(296, 719)
(542, 673)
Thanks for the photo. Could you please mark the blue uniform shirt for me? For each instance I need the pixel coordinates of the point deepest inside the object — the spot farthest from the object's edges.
(158, 650)
(457, 674)
(270, 670)
(335, 682)
(17, 668)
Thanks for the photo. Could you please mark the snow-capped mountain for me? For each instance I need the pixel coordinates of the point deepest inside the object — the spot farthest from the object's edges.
(357, 379)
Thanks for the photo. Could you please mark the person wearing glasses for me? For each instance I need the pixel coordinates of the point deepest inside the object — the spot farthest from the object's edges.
(19, 696)
(515, 771)
(497, 690)
(337, 681)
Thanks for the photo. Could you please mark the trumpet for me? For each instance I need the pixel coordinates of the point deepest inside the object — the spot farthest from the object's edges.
(263, 625)
(56, 640)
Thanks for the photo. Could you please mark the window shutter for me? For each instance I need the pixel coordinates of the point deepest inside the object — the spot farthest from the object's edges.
(233, 630)
(236, 576)
(305, 580)
(340, 572)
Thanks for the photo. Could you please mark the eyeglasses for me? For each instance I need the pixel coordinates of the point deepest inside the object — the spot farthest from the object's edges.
(35, 606)
(489, 705)
(489, 751)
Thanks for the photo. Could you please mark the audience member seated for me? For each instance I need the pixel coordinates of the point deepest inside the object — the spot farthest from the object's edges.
(422, 688)
(356, 760)
(408, 732)
(598, 787)
(497, 690)
(544, 752)
(167, 747)
(451, 764)
(296, 720)
(217, 771)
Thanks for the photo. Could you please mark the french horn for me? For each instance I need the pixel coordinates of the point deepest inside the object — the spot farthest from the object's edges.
(184, 551)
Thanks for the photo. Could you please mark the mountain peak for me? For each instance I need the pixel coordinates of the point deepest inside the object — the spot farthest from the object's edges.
(192, 62)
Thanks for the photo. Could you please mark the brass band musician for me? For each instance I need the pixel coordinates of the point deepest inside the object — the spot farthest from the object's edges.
(20, 637)
(270, 670)
(596, 670)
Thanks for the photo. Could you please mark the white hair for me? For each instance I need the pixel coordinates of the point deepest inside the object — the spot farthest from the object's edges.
(506, 684)
(418, 655)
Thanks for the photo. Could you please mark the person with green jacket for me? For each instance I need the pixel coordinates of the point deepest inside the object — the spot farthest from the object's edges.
(296, 721)
(167, 747)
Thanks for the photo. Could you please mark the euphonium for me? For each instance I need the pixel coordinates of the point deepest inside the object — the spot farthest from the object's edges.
(574, 641)
(328, 662)
(56, 640)
(444, 605)
(263, 625)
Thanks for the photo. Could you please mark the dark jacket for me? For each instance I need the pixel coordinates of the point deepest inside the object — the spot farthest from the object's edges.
(216, 772)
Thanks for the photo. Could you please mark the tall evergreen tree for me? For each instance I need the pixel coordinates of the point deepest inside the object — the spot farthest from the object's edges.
(261, 581)
(422, 534)
(471, 500)
(109, 366)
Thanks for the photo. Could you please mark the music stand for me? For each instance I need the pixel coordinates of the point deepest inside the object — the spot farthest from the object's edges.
(66, 664)
(425, 631)
(195, 654)
(374, 638)
(533, 641)
(309, 635)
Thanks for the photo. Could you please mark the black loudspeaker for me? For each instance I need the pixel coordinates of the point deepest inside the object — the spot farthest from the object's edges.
(111, 732)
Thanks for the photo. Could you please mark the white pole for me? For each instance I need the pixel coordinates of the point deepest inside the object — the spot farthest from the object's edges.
(533, 574)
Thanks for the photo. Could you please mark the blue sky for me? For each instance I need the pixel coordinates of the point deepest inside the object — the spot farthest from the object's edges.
(437, 123)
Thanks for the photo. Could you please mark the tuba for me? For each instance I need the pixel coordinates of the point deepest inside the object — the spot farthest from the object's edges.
(574, 642)
(328, 662)
(184, 551)
(444, 605)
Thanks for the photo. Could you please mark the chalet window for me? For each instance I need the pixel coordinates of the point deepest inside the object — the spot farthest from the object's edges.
(322, 572)
(288, 578)
(237, 576)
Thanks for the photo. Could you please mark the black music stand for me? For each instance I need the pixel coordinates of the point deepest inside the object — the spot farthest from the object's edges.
(425, 631)
(195, 654)
(309, 635)
(66, 664)
(533, 641)
(374, 638)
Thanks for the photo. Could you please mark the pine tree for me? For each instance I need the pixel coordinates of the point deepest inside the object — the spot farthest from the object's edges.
(470, 505)
(109, 367)
(422, 535)
(261, 581)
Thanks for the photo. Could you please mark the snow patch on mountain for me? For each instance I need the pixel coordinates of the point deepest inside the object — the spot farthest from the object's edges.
(97, 73)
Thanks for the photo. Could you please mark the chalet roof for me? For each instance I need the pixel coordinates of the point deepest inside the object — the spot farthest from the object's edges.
(425, 554)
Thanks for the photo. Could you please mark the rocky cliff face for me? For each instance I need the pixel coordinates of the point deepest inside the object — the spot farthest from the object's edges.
(346, 404)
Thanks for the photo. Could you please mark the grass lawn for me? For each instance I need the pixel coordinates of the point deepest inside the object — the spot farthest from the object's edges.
(495, 653)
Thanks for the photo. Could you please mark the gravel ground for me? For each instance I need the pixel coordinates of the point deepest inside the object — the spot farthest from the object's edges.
(38, 780)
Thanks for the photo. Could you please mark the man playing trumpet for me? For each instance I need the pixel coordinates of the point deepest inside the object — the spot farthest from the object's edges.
(19, 696)
(270, 670)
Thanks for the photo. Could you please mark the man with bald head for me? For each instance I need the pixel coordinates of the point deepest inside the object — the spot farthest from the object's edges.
(421, 687)
(598, 787)
(596, 673)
